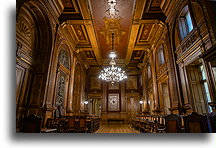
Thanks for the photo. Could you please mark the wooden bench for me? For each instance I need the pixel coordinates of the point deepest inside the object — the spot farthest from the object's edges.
(112, 119)
(45, 130)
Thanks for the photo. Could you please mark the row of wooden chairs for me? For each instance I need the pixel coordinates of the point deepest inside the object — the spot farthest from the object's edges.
(30, 124)
(193, 123)
(147, 125)
(66, 124)
(74, 124)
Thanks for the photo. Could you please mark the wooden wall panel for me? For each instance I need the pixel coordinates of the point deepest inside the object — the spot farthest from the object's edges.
(36, 93)
(19, 79)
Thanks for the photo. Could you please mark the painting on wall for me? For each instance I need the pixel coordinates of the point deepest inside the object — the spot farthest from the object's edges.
(131, 83)
(95, 83)
(113, 102)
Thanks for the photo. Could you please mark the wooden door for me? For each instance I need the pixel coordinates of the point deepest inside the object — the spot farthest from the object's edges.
(133, 107)
(151, 102)
(196, 89)
(166, 98)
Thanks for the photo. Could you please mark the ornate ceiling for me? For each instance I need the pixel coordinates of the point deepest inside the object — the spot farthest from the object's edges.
(88, 25)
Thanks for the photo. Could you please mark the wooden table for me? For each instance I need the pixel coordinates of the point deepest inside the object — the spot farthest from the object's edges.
(113, 119)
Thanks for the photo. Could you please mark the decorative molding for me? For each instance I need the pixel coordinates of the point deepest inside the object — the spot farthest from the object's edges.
(95, 83)
(113, 102)
(114, 86)
(131, 83)
(112, 25)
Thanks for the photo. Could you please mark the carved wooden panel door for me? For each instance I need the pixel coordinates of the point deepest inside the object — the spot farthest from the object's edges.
(151, 102)
(166, 98)
(196, 89)
(133, 107)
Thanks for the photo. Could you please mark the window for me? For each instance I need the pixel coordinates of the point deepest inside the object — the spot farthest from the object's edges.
(61, 87)
(185, 23)
(64, 59)
(149, 71)
(189, 22)
(161, 59)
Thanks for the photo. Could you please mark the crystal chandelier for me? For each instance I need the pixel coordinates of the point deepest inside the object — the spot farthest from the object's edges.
(113, 73)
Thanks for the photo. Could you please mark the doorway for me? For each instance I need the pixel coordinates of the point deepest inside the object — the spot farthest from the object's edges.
(199, 91)
(151, 102)
(95, 107)
(133, 107)
(166, 98)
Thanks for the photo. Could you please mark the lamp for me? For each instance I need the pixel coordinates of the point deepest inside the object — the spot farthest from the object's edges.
(86, 102)
(113, 73)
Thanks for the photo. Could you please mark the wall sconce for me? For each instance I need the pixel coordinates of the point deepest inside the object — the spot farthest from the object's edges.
(86, 102)
(141, 102)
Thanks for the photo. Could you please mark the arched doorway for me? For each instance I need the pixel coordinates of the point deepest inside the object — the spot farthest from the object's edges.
(34, 43)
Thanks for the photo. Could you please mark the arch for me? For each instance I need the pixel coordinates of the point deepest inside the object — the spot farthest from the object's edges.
(77, 88)
(175, 35)
(34, 44)
(149, 71)
(160, 56)
(62, 79)
(198, 11)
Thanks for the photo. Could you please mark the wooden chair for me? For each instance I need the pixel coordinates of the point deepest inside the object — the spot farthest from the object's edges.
(212, 120)
(31, 124)
(52, 123)
(195, 123)
(71, 124)
(62, 125)
(82, 126)
(172, 123)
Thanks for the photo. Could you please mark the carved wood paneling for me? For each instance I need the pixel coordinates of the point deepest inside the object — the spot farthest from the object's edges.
(131, 83)
(95, 83)
(114, 86)
(80, 34)
(145, 30)
(113, 102)
(36, 93)
(70, 11)
(19, 81)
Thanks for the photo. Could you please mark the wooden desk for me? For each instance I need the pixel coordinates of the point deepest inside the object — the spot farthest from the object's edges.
(115, 120)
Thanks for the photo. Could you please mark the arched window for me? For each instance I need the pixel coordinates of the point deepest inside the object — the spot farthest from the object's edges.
(64, 59)
(161, 59)
(185, 22)
(149, 71)
(62, 83)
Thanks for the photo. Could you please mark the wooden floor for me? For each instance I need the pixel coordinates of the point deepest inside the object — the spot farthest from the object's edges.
(116, 128)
